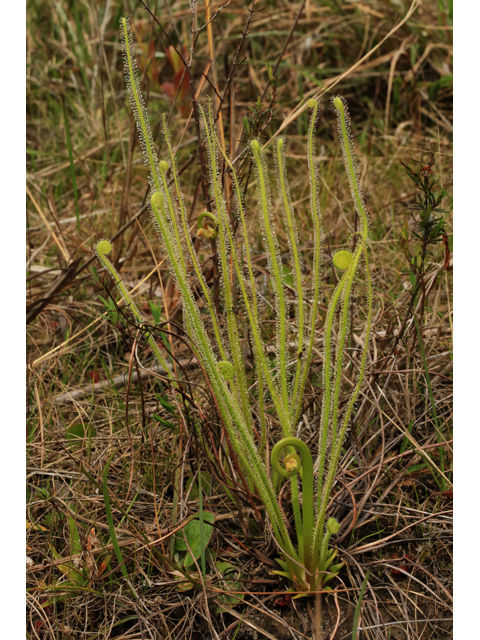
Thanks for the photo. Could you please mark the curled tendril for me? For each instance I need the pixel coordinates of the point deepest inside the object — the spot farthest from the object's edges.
(163, 165)
(342, 259)
(291, 467)
(157, 199)
(312, 103)
(292, 463)
(104, 247)
(333, 526)
(207, 232)
(226, 369)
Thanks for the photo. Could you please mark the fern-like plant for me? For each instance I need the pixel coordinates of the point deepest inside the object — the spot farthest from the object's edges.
(308, 560)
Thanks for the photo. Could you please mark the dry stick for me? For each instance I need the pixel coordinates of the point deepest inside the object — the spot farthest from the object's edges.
(121, 380)
(268, 613)
(439, 374)
(235, 63)
(155, 507)
(42, 615)
(339, 615)
(318, 614)
(396, 622)
(444, 371)
(432, 577)
(244, 620)
(211, 49)
(410, 452)
(32, 256)
(403, 598)
(363, 575)
(84, 266)
(44, 173)
(380, 502)
(393, 64)
(289, 37)
(113, 238)
(197, 95)
(413, 294)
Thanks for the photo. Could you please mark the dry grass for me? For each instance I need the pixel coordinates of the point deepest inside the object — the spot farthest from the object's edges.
(394, 509)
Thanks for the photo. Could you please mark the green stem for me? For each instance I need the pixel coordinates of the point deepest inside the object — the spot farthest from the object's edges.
(326, 376)
(232, 415)
(252, 312)
(346, 141)
(317, 239)
(343, 331)
(337, 445)
(104, 247)
(138, 104)
(250, 301)
(186, 232)
(358, 608)
(296, 257)
(307, 486)
(274, 263)
(224, 235)
(226, 375)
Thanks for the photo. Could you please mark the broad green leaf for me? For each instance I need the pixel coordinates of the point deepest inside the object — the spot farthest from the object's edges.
(231, 575)
(191, 531)
(77, 432)
(164, 423)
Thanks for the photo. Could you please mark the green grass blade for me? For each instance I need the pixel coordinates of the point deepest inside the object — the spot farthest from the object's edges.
(111, 525)
(359, 606)
(72, 165)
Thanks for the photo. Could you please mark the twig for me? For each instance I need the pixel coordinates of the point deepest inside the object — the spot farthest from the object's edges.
(289, 37)
(118, 382)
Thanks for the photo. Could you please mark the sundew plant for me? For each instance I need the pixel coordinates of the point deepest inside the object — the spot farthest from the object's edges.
(277, 378)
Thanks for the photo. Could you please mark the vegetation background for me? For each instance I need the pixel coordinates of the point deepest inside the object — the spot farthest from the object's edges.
(86, 180)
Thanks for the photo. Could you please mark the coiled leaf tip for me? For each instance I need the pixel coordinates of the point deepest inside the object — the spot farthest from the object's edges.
(342, 259)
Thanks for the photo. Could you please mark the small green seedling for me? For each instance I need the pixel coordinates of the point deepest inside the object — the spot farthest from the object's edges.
(156, 310)
(112, 310)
